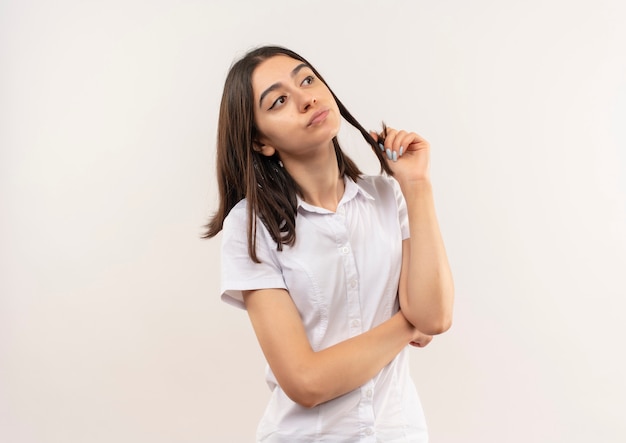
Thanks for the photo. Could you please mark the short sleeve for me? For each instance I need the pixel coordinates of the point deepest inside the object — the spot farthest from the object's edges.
(403, 215)
(239, 272)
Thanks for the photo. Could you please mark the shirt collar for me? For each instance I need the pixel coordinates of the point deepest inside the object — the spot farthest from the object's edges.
(351, 190)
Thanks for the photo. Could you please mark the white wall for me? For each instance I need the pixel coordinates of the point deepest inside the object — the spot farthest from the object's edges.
(111, 328)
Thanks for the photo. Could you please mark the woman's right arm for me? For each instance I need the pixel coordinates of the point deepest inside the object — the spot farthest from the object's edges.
(309, 377)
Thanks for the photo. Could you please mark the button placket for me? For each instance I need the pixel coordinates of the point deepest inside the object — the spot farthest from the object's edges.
(344, 248)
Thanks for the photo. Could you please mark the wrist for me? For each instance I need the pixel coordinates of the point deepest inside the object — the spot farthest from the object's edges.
(416, 187)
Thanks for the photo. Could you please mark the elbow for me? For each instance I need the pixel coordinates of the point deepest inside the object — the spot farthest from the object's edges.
(438, 327)
(303, 398)
(304, 390)
(431, 325)
(306, 402)
(432, 319)
(441, 323)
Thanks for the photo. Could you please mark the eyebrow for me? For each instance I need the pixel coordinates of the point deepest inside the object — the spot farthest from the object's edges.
(294, 72)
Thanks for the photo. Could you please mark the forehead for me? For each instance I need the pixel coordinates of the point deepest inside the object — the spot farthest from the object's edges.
(275, 69)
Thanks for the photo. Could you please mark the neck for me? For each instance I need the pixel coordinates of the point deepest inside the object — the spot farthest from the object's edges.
(318, 179)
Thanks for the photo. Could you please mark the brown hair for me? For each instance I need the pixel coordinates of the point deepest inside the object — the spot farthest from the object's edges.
(242, 172)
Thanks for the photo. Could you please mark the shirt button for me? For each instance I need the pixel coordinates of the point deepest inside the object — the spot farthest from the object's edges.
(353, 284)
(369, 431)
(355, 323)
(345, 250)
(368, 393)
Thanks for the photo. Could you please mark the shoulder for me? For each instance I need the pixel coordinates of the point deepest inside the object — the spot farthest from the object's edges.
(379, 186)
(236, 224)
(375, 180)
(237, 216)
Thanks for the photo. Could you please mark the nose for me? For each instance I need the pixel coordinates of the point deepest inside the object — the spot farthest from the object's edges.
(306, 101)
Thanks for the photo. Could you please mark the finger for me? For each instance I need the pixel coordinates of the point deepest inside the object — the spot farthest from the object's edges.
(389, 137)
(413, 141)
(376, 138)
(399, 142)
(392, 154)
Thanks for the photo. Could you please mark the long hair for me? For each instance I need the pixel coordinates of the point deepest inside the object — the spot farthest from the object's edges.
(242, 172)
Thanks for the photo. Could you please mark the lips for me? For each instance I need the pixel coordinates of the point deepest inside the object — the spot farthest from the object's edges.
(318, 117)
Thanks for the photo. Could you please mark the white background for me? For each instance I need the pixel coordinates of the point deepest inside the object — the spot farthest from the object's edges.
(111, 327)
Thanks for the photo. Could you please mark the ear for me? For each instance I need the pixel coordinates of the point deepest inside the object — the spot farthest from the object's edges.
(265, 150)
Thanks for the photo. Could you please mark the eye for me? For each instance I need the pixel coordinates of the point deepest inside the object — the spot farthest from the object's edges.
(279, 101)
(308, 80)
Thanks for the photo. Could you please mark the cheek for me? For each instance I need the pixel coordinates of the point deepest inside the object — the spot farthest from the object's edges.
(274, 133)
(337, 125)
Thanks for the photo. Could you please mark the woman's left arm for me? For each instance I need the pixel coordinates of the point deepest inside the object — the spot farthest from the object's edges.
(426, 287)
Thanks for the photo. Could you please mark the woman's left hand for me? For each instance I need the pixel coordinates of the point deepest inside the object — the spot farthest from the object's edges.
(408, 155)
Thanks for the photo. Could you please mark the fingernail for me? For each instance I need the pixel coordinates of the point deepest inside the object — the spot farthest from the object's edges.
(401, 151)
(381, 146)
(394, 156)
(389, 154)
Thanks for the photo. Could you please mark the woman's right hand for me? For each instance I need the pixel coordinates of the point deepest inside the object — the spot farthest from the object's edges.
(421, 340)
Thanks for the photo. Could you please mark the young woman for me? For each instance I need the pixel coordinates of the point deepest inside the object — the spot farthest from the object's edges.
(339, 272)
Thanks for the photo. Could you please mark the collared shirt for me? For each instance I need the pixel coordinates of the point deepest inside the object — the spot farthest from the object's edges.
(342, 274)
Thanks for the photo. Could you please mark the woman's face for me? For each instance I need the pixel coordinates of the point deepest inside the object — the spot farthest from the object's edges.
(294, 111)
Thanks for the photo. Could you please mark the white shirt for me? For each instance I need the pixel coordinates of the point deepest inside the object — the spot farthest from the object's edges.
(342, 274)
